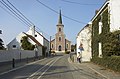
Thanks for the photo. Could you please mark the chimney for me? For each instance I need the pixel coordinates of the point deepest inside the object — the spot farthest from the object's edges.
(32, 28)
(96, 11)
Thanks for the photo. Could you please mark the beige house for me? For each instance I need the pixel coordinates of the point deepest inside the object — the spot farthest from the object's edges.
(60, 43)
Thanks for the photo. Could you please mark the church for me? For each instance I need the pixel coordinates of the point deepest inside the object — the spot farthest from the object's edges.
(60, 43)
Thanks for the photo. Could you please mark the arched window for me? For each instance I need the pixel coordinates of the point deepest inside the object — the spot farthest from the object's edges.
(59, 29)
(59, 38)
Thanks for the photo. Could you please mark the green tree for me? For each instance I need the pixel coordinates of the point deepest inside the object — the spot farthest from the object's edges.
(1, 44)
(26, 45)
(73, 47)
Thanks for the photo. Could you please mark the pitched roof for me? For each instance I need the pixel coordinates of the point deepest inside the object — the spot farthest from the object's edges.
(41, 35)
(32, 38)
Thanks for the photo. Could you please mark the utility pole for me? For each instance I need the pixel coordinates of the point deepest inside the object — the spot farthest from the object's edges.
(0, 31)
(50, 45)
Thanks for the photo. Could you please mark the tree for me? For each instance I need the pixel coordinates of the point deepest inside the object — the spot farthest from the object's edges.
(26, 45)
(73, 47)
(1, 44)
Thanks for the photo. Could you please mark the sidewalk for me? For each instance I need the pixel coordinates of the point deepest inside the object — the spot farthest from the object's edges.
(89, 66)
(7, 66)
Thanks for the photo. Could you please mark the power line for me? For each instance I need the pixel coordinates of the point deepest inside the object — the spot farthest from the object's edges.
(14, 13)
(78, 3)
(58, 13)
(19, 12)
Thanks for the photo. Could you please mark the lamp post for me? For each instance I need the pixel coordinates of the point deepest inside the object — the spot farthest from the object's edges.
(50, 45)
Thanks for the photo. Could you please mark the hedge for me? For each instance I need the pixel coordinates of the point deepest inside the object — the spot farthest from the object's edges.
(112, 63)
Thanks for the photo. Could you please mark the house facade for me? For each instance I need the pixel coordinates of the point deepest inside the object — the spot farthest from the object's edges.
(35, 38)
(60, 43)
(106, 20)
(84, 38)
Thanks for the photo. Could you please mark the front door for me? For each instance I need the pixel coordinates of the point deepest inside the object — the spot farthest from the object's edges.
(60, 48)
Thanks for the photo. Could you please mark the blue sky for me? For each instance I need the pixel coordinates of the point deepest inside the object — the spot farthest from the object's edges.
(46, 19)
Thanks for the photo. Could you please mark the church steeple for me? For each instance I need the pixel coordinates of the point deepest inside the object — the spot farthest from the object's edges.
(60, 18)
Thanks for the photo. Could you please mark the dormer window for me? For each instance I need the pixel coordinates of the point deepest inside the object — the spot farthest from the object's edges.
(35, 35)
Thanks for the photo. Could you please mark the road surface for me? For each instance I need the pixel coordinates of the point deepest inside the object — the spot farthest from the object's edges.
(57, 67)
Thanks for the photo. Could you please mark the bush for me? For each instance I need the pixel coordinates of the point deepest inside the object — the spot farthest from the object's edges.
(108, 62)
(67, 52)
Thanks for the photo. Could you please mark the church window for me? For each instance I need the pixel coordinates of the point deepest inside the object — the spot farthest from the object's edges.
(59, 38)
(59, 29)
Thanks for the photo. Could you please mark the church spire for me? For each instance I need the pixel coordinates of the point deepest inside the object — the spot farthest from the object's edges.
(60, 18)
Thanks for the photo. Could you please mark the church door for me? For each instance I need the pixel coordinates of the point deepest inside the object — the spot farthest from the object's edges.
(59, 48)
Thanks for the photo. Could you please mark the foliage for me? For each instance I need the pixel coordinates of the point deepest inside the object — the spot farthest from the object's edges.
(73, 47)
(111, 45)
(108, 62)
(96, 37)
(67, 52)
(95, 30)
(1, 44)
(26, 45)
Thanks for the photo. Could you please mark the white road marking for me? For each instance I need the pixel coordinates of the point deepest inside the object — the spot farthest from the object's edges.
(98, 72)
(20, 67)
(39, 70)
(48, 68)
(91, 69)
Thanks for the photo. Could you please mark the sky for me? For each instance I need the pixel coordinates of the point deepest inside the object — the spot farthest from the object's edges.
(46, 19)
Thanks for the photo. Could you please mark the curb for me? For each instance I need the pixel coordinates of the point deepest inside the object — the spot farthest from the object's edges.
(20, 67)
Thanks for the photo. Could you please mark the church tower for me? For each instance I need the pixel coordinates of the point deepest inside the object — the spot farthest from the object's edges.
(60, 36)
(60, 43)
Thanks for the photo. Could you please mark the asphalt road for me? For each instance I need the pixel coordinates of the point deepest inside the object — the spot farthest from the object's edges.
(57, 67)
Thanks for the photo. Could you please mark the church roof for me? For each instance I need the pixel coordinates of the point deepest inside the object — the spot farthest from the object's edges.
(60, 18)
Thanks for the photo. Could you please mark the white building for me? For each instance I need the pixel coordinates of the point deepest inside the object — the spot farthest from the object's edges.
(112, 7)
(84, 38)
(34, 37)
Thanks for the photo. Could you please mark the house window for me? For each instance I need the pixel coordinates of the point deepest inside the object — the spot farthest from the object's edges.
(100, 27)
(35, 35)
(59, 29)
(14, 46)
(59, 38)
(21, 41)
(67, 45)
